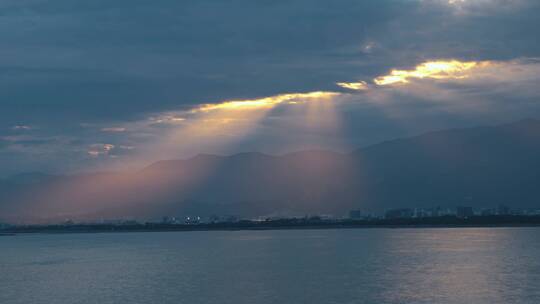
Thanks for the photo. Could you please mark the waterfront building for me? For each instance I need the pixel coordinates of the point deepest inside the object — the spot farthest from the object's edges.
(355, 214)
(464, 212)
(399, 213)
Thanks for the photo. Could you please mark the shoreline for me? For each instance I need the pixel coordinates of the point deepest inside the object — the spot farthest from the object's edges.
(58, 229)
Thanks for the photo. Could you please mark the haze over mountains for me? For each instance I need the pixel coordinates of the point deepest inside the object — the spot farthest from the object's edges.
(479, 167)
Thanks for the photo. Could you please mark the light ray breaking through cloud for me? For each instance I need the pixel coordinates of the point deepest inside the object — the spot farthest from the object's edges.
(440, 69)
(173, 82)
(219, 127)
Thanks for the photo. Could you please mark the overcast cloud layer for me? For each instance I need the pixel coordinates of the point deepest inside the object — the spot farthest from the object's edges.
(85, 85)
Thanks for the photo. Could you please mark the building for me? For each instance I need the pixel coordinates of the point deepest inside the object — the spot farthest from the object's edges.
(487, 212)
(399, 213)
(355, 214)
(192, 220)
(168, 220)
(421, 212)
(464, 212)
(503, 210)
(436, 212)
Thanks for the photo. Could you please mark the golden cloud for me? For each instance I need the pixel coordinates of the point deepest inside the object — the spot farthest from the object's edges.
(265, 102)
(452, 69)
(357, 86)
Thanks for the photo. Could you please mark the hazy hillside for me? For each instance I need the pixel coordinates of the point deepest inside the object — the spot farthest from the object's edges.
(482, 166)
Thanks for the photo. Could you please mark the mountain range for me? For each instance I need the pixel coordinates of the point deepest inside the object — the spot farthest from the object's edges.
(478, 167)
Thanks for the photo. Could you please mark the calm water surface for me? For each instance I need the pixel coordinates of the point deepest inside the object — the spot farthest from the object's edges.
(497, 265)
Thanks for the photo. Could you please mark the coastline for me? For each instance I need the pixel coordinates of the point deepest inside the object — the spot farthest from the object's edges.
(291, 224)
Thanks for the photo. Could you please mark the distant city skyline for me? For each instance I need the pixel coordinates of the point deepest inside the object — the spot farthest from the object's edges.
(472, 167)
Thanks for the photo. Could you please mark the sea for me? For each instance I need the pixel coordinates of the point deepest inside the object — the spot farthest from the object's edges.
(375, 266)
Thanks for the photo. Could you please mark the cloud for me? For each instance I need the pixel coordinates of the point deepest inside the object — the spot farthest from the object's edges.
(436, 93)
(138, 72)
(29, 140)
(21, 128)
(97, 150)
(440, 69)
(524, 70)
(357, 86)
(266, 102)
(481, 6)
(481, 73)
(113, 129)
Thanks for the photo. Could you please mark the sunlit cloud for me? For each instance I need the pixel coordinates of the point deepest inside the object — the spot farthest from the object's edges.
(126, 147)
(356, 86)
(452, 69)
(481, 89)
(456, 2)
(218, 127)
(97, 150)
(265, 102)
(368, 47)
(479, 7)
(113, 129)
(166, 118)
(309, 119)
(21, 128)
(483, 2)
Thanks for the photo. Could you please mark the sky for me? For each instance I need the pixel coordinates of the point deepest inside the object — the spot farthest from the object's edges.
(114, 85)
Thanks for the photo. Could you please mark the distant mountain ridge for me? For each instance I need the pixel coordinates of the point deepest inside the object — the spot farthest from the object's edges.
(479, 167)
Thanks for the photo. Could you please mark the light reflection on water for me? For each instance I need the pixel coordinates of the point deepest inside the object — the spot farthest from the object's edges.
(484, 265)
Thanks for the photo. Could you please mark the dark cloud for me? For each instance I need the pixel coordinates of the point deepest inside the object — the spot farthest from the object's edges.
(116, 60)
(113, 64)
